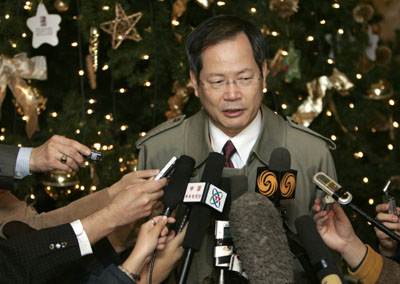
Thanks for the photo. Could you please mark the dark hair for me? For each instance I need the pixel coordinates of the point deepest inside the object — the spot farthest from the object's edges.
(220, 28)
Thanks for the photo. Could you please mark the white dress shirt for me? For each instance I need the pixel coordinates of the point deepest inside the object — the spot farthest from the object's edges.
(243, 141)
(22, 163)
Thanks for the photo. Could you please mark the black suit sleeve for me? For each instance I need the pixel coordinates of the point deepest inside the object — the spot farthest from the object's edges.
(111, 275)
(38, 256)
(8, 159)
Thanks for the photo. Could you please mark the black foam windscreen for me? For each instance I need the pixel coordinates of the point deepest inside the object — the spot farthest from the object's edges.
(260, 240)
(320, 256)
(225, 185)
(279, 160)
(175, 190)
(198, 223)
(213, 169)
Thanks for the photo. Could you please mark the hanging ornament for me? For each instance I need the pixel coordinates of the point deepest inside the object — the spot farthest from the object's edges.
(275, 65)
(383, 55)
(319, 91)
(92, 60)
(59, 184)
(62, 5)
(94, 47)
(204, 3)
(284, 8)
(91, 74)
(292, 62)
(380, 91)
(122, 27)
(179, 99)
(11, 73)
(44, 27)
(178, 8)
(362, 13)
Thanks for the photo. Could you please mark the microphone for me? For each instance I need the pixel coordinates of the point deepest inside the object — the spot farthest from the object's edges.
(200, 214)
(277, 181)
(319, 254)
(332, 188)
(212, 173)
(260, 240)
(176, 186)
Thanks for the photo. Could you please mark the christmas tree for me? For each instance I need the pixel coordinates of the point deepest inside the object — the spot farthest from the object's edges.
(117, 69)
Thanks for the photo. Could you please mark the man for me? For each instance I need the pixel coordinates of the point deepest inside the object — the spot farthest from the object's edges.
(364, 263)
(228, 71)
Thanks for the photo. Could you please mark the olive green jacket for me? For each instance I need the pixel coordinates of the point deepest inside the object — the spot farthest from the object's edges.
(309, 154)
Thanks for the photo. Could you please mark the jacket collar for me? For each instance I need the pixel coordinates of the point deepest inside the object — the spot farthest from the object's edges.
(197, 141)
(272, 135)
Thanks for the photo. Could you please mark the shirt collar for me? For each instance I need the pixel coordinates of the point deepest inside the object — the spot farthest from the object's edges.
(243, 141)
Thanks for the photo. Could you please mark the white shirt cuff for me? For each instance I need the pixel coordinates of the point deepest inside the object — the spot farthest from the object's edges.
(22, 163)
(83, 240)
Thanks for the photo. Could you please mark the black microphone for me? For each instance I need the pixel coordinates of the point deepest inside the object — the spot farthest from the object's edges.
(277, 181)
(200, 214)
(212, 173)
(260, 240)
(175, 189)
(320, 256)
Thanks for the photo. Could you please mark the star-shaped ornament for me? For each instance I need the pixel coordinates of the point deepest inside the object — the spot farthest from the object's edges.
(122, 27)
(44, 27)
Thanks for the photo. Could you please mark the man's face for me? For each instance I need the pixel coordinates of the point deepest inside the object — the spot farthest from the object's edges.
(233, 106)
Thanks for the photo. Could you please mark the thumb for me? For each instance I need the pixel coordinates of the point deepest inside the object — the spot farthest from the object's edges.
(158, 223)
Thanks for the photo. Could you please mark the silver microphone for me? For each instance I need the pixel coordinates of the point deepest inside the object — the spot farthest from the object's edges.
(332, 188)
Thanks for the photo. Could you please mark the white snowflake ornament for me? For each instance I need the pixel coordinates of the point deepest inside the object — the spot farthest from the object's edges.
(44, 27)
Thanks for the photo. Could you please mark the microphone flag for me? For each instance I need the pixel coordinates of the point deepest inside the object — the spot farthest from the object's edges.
(276, 185)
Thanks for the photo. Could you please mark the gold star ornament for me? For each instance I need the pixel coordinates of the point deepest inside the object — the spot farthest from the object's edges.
(122, 27)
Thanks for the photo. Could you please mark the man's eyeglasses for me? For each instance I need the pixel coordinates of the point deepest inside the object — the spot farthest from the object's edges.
(241, 82)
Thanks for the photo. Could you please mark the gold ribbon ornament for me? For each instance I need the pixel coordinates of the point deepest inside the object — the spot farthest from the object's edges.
(13, 71)
(319, 91)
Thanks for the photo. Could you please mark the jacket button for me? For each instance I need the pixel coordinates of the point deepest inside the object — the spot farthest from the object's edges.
(64, 244)
(51, 246)
(58, 246)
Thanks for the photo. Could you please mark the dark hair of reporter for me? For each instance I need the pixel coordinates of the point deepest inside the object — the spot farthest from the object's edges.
(217, 29)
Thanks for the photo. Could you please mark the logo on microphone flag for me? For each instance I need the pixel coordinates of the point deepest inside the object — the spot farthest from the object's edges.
(275, 184)
(216, 198)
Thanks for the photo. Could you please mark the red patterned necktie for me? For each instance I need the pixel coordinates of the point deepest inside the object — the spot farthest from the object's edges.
(228, 151)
